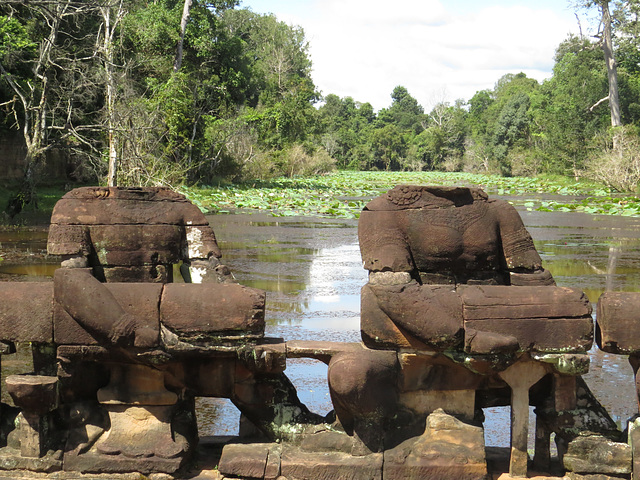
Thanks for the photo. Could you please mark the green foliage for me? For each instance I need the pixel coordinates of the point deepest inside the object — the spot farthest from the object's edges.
(344, 194)
(241, 105)
(15, 38)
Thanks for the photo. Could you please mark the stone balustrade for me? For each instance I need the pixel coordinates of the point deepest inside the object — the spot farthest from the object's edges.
(458, 315)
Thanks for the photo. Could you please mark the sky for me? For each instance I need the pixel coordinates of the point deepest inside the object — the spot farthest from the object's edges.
(440, 50)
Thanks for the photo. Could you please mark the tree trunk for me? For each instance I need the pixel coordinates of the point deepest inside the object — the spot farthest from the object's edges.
(183, 27)
(112, 178)
(612, 72)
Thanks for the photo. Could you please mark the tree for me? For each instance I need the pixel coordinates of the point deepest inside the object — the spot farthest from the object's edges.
(405, 111)
(389, 147)
(112, 14)
(567, 117)
(605, 37)
(57, 32)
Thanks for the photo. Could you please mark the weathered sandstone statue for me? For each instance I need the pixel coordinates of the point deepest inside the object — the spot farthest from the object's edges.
(458, 314)
(457, 307)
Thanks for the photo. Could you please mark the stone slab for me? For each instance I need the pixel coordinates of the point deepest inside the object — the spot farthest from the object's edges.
(92, 462)
(555, 335)
(244, 461)
(303, 465)
(199, 311)
(138, 244)
(449, 449)
(455, 402)
(10, 459)
(26, 312)
(598, 454)
(486, 302)
(618, 319)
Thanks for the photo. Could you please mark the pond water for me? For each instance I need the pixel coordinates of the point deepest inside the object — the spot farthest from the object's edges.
(312, 272)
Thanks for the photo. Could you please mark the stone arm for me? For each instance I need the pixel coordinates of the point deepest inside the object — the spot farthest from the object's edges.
(520, 255)
(384, 248)
(90, 303)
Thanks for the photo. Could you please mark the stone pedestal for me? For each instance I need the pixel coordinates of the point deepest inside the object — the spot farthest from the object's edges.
(140, 436)
(36, 395)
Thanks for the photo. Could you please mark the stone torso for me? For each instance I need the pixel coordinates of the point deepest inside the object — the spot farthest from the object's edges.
(453, 240)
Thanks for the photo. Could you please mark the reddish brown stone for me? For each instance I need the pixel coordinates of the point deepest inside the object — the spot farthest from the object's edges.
(554, 335)
(618, 319)
(109, 206)
(100, 305)
(244, 461)
(200, 311)
(434, 372)
(138, 244)
(68, 240)
(35, 393)
(431, 314)
(378, 330)
(543, 319)
(448, 450)
(130, 226)
(26, 312)
(135, 274)
(364, 391)
(330, 466)
(454, 231)
(488, 302)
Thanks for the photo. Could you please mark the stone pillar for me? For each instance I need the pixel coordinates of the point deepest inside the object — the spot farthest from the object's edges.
(36, 395)
(520, 376)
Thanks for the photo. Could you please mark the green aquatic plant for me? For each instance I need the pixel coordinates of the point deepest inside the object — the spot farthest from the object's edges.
(344, 194)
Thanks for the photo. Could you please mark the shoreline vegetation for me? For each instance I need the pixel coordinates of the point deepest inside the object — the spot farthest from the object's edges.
(343, 194)
(174, 93)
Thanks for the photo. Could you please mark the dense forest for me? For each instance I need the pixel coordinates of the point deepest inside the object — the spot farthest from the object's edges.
(167, 92)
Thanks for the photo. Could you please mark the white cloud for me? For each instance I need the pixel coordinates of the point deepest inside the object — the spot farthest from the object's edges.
(364, 48)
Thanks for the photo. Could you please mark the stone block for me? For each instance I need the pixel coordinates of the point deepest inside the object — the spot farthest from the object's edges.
(68, 240)
(555, 335)
(135, 274)
(95, 462)
(26, 312)
(204, 312)
(429, 371)
(137, 244)
(618, 319)
(598, 454)
(541, 319)
(37, 394)
(449, 449)
(10, 459)
(244, 461)
(378, 330)
(301, 465)
(118, 211)
(430, 314)
(594, 476)
(487, 302)
(455, 402)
